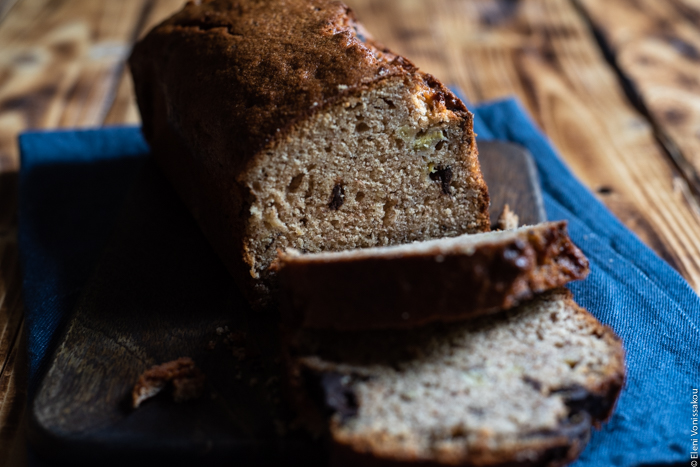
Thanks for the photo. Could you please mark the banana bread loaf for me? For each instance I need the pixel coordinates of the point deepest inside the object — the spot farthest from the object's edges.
(520, 388)
(439, 280)
(281, 123)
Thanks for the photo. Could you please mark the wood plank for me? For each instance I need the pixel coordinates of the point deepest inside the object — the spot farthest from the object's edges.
(5, 7)
(12, 403)
(60, 64)
(12, 368)
(657, 50)
(543, 52)
(10, 289)
(124, 109)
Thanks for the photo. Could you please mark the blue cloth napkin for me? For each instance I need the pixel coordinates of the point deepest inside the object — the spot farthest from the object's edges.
(73, 182)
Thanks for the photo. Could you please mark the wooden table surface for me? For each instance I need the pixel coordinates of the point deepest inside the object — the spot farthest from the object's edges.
(614, 83)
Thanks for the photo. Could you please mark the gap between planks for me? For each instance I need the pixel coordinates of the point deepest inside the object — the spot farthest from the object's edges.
(658, 71)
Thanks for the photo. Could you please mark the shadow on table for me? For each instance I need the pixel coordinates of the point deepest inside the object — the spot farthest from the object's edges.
(158, 293)
(66, 214)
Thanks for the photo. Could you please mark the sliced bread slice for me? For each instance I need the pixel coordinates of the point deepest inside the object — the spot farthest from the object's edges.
(522, 387)
(440, 280)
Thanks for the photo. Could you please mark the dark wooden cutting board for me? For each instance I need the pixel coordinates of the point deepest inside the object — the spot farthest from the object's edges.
(160, 293)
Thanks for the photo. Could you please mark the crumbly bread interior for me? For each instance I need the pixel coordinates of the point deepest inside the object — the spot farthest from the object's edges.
(387, 166)
(462, 244)
(499, 389)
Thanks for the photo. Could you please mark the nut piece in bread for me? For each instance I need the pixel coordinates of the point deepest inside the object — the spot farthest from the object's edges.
(282, 123)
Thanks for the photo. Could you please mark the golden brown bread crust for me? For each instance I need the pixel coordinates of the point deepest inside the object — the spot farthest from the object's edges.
(220, 81)
(258, 67)
(414, 288)
(317, 388)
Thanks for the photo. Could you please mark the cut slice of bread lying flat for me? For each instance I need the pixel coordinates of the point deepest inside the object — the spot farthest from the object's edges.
(282, 123)
(523, 387)
(440, 280)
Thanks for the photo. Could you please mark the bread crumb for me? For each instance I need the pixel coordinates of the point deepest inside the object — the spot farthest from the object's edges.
(508, 220)
(186, 379)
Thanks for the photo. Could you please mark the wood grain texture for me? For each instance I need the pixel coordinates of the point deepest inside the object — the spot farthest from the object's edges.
(10, 287)
(511, 175)
(60, 64)
(12, 348)
(124, 109)
(657, 51)
(543, 52)
(5, 7)
(12, 403)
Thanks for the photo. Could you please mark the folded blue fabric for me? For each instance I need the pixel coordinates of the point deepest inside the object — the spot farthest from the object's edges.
(73, 182)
